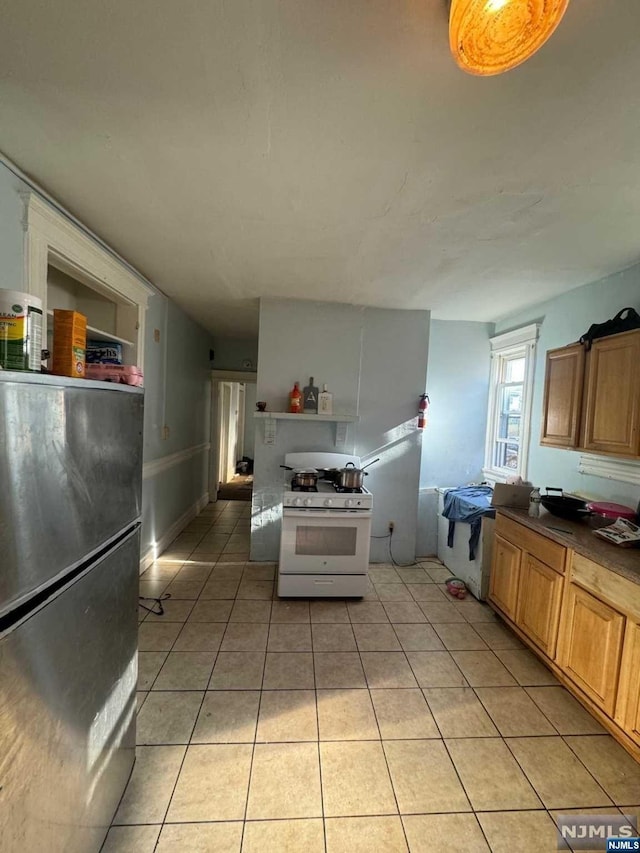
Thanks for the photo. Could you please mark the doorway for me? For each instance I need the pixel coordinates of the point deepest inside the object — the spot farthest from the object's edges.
(233, 398)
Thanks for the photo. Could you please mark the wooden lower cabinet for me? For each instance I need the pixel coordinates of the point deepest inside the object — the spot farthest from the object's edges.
(539, 600)
(591, 637)
(628, 705)
(505, 576)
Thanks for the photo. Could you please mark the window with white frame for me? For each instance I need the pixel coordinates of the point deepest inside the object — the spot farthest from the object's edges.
(509, 416)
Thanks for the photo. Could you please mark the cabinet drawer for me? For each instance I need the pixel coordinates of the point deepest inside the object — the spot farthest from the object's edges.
(546, 550)
(623, 594)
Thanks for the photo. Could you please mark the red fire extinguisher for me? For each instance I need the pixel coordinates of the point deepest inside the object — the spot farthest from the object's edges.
(422, 410)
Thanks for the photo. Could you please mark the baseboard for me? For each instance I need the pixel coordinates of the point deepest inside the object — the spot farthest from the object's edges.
(169, 535)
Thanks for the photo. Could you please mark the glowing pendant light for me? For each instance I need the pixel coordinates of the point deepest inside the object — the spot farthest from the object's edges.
(491, 36)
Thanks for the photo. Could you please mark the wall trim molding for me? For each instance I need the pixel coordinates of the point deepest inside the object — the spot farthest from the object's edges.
(610, 469)
(250, 376)
(152, 553)
(157, 466)
(51, 238)
(516, 337)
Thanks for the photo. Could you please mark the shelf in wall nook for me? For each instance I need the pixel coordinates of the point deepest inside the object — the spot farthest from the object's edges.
(94, 334)
(271, 419)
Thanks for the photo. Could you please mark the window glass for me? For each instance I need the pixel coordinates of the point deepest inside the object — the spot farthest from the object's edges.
(509, 408)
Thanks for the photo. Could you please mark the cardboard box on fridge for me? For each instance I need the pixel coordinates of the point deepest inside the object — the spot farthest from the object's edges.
(69, 343)
(505, 494)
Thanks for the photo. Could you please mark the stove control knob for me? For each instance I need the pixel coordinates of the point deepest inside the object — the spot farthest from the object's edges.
(328, 502)
(348, 502)
(307, 501)
(297, 502)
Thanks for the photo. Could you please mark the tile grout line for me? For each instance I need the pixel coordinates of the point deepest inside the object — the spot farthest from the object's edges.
(255, 737)
(315, 693)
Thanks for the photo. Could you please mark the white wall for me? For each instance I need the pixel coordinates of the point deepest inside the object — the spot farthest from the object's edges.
(374, 361)
(564, 320)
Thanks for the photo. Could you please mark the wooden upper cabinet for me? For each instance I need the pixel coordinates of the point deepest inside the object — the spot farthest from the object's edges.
(563, 384)
(611, 413)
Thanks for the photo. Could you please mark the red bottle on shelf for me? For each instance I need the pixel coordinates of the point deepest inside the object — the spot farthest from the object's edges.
(295, 400)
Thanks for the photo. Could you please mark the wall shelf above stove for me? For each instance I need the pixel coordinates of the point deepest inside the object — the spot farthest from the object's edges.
(270, 420)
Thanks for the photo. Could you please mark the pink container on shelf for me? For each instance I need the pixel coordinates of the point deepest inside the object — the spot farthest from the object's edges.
(124, 374)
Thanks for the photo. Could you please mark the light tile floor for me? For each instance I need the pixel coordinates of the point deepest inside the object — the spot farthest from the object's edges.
(404, 722)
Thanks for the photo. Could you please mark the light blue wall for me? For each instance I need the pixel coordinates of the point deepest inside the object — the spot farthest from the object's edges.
(234, 353)
(177, 386)
(374, 362)
(564, 320)
(454, 438)
(177, 395)
(249, 421)
(458, 387)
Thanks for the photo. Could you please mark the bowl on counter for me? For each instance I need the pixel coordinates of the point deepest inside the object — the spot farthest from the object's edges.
(604, 513)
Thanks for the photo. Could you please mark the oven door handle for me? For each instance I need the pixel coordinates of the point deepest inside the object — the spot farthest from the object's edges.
(344, 514)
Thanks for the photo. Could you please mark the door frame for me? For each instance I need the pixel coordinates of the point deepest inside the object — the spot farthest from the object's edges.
(217, 377)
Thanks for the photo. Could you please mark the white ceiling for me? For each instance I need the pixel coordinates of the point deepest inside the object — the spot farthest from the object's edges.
(329, 150)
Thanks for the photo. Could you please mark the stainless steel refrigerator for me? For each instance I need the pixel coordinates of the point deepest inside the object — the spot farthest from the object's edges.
(70, 504)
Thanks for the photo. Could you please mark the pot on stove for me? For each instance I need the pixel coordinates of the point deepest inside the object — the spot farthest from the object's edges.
(352, 477)
(303, 478)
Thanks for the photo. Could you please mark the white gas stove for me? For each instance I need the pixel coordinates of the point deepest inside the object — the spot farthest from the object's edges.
(328, 496)
(326, 533)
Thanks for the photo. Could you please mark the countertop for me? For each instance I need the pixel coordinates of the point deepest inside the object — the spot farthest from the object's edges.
(580, 537)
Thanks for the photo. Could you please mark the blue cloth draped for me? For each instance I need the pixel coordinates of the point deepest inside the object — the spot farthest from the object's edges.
(469, 504)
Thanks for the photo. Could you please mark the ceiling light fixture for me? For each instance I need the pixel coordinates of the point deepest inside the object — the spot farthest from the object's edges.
(491, 36)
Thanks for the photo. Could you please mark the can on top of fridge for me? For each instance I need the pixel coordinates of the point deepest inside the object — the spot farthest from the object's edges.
(20, 331)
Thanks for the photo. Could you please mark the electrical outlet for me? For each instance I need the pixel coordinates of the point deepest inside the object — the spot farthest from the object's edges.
(391, 527)
(156, 335)
(165, 433)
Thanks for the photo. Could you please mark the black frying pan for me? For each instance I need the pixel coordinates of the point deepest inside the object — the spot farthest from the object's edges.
(573, 509)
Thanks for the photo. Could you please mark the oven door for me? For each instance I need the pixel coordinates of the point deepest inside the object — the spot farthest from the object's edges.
(325, 541)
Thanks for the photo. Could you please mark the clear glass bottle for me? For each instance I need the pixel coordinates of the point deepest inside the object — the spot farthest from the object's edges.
(534, 503)
(325, 402)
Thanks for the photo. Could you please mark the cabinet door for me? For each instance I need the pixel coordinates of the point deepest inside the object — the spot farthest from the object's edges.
(539, 600)
(505, 576)
(612, 407)
(591, 638)
(628, 706)
(563, 380)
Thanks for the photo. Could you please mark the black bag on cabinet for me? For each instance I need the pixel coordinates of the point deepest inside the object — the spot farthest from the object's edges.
(612, 327)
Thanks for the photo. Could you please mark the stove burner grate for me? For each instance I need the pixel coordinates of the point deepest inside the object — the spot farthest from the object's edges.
(344, 491)
(296, 488)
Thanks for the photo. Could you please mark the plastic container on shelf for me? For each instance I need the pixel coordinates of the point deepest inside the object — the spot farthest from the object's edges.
(124, 374)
